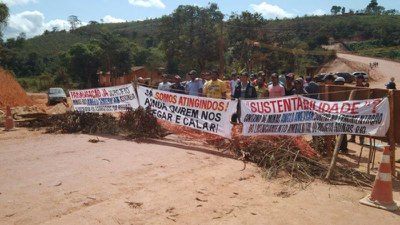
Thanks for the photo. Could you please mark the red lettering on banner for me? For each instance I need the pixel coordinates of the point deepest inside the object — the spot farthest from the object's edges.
(167, 98)
(354, 107)
(335, 108)
(105, 93)
(345, 107)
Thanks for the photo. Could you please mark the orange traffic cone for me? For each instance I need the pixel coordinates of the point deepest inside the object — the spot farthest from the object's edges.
(9, 123)
(382, 195)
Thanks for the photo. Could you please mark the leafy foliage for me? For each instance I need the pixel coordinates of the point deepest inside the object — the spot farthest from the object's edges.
(190, 38)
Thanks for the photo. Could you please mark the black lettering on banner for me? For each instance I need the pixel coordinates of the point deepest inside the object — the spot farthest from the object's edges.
(162, 115)
(194, 113)
(178, 119)
(252, 118)
(287, 118)
(267, 128)
(194, 123)
(205, 115)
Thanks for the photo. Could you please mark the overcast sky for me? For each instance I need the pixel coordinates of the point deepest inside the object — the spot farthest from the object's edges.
(33, 17)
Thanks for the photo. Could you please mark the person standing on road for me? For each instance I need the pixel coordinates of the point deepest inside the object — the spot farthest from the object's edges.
(232, 83)
(275, 89)
(243, 90)
(289, 89)
(195, 86)
(262, 91)
(164, 85)
(391, 84)
(312, 88)
(298, 87)
(214, 88)
(177, 87)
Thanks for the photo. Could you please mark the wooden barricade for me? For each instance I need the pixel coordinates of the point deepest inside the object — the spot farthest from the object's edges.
(342, 93)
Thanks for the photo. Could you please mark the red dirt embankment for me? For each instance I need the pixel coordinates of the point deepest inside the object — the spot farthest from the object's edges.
(11, 93)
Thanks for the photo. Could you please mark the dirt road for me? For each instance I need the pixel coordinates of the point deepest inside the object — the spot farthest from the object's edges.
(64, 179)
(384, 71)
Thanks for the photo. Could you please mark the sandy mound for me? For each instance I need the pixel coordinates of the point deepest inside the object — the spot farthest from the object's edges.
(337, 65)
(11, 93)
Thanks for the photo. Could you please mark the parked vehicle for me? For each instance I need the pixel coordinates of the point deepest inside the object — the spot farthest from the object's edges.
(347, 76)
(56, 95)
(319, 77)
(364, 74)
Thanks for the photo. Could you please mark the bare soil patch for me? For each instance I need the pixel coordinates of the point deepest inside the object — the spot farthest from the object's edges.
(65, 179)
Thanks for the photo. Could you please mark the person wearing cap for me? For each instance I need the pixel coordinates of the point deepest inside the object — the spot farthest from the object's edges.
(195, 86)
(391, 84)
(253, 79)
(233, 82)
(312, 88)
(164, 85)
(275, 89)
(177, 87)
(339, 81)
(214, 88)
(289, 88)
(298, 87)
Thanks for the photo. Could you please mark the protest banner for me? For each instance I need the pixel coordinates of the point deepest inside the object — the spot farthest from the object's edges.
(107, 99)
(298, 115)
(206, 114)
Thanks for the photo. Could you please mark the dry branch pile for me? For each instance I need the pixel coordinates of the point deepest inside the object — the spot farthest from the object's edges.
(294, 156)
(139, 123)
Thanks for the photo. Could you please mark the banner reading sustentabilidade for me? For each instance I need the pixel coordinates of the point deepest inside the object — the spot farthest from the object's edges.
(206, 114)
(296, 115)
(107, 99)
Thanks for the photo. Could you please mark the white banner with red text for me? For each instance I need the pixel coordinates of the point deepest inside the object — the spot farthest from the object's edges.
(107, 99)
(298, 115)
(206, 114)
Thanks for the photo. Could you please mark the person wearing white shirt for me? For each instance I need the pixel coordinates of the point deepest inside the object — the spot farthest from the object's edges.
(164, 85)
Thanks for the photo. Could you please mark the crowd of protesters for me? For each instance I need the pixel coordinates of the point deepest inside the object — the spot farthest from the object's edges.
(255, 86)
(251, 86)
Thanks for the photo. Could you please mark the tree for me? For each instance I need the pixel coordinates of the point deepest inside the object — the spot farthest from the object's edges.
(4, 13)
(116, 54)
(74, 21)
(374, 8)
(343, 10)
(190, 36)
(243, 30)
(155, 59)
(82, 62)
(335, 9)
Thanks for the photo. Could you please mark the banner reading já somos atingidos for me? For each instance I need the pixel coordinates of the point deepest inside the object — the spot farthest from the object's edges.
(107, 99)
(295, 115)
(206, 114)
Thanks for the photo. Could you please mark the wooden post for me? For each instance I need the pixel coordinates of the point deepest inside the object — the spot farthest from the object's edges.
(221, 52)
(337, 147)
(392, 134)
(329, 138)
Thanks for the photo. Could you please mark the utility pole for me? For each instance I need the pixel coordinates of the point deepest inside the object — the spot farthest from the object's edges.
(221, 52)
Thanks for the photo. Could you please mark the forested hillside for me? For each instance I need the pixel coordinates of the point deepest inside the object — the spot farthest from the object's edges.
(193, 37)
